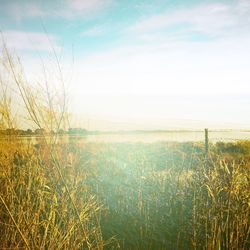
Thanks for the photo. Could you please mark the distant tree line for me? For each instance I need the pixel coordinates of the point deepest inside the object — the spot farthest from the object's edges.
(41, 131)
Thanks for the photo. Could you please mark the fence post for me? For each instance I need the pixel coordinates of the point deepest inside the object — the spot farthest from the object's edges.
(206, 143)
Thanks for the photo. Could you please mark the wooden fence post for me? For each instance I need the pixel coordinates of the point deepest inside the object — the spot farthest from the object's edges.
(206, 143)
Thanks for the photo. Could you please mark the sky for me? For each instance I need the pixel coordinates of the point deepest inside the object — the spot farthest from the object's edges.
(139, 64)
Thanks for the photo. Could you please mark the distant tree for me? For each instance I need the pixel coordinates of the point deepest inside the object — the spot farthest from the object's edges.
(29, 132)
(18, 132)
(40, 131)
(10, 131)
(74, 131)
(61, 132)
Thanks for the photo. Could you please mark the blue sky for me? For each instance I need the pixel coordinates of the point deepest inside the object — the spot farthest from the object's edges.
(140, 62)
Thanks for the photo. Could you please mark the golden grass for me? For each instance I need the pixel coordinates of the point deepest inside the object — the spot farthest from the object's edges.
(57, 195)
(184, 204)
(45, 203)
(40, 209)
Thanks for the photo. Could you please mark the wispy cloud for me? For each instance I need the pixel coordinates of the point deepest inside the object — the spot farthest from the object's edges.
(28, 41)
(174, 67)
(213, 19)
(19, 11)
(87, 5)
(95, 31)
(69, 9)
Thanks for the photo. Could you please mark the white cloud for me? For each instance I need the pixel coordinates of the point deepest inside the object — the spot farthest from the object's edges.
(95, 31)
(168, 68)
(165, 65)
(28, 41)
(214, 19)
(18, 10)
(69, 9)
(86, 5)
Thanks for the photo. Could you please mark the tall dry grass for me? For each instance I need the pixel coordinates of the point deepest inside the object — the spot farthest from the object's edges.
(153, 196)
(44, 202)
(222, 206)
(166, 196)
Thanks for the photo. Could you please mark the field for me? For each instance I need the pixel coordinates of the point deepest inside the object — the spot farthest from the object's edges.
(69, 194)
(162, 195)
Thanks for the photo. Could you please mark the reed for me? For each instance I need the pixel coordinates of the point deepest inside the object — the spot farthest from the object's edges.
(73, 195)
(44, 201)
(167, 196)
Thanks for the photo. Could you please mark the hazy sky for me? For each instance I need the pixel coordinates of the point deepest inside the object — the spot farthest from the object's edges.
(140, 64)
